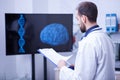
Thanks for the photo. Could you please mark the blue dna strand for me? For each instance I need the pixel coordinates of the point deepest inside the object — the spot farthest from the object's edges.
(21, 32)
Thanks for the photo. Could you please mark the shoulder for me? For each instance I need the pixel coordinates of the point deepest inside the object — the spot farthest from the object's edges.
(97, 36)
(94, 39)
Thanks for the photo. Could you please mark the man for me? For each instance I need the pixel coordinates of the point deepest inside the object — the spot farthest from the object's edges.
(95, 56)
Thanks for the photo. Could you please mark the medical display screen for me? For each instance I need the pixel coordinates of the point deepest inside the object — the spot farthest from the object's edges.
(26, 33)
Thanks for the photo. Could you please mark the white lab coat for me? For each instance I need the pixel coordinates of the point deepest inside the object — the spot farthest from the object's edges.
(95, 59)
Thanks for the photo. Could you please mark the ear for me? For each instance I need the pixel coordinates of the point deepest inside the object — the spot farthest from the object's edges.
(83, 18)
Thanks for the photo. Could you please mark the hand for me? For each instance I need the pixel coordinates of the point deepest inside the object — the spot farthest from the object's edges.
(71, 66)
(61, 63)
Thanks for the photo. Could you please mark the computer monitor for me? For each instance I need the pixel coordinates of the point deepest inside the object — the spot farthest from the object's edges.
(27, 32)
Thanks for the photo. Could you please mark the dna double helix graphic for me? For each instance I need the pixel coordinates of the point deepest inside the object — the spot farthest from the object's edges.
(21, 32)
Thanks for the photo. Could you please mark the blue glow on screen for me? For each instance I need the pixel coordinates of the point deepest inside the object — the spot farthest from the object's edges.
(21, 33)
(54, 34)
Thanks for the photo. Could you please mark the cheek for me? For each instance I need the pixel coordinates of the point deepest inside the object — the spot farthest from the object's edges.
(80, 23)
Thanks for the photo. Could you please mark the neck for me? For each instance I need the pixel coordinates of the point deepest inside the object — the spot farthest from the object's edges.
(90, 25)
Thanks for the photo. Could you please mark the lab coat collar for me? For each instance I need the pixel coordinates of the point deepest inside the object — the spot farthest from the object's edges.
(94, 28)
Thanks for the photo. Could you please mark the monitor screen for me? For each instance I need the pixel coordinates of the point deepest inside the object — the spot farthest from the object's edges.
(26, 33)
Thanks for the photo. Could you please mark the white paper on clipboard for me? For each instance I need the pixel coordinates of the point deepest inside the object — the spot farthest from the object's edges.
(52, 55)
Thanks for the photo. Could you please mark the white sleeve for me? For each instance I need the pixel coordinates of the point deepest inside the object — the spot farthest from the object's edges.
(65, 73)
(85, 65)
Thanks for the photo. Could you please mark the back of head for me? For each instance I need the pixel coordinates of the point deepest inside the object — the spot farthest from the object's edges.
(88, 9)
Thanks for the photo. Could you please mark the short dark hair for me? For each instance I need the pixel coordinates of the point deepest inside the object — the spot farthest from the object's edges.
(88, 9)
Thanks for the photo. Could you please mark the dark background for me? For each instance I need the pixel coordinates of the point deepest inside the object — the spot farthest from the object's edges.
(34, 23)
